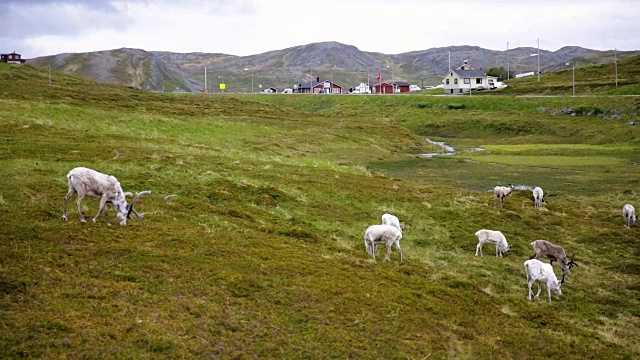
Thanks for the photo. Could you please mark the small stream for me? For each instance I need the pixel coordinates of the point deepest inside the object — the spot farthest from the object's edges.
(450, 149)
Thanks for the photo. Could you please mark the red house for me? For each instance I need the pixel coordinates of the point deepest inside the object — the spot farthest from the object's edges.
(384, 88)
(402, 86)
(12, 58)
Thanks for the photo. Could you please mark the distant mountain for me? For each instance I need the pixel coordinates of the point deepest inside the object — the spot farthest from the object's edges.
(345, 64)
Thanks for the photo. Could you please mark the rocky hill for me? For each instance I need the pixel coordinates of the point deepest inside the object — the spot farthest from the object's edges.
(345, 64)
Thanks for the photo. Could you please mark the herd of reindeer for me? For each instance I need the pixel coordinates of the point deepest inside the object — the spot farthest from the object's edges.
(89, 182)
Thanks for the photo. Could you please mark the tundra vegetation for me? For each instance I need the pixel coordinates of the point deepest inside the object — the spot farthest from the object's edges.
(260, 254)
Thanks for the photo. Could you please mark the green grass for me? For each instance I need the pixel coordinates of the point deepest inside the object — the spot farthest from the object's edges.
(260, 255)
(597, 79)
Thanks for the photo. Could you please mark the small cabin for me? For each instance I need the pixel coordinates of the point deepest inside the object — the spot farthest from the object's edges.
(13, 58)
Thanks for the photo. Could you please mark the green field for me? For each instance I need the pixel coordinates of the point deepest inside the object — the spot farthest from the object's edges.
(261, 253)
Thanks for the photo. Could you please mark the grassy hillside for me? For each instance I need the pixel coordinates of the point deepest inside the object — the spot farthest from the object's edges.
(597, 79)
(261, 253)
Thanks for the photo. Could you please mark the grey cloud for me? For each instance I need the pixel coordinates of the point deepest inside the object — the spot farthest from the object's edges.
(34, 18)
(24, 18)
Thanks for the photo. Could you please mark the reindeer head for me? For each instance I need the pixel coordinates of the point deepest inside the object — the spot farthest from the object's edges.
(122, 208)
(505, 249)
(558, 288)
(566, 266)
(508, 250)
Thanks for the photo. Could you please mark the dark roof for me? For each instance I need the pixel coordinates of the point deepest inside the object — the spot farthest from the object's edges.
(470, 73)
(308, 85)
(402, 83)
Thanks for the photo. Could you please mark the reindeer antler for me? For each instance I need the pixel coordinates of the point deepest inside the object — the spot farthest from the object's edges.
(571, 263)
(131, 209)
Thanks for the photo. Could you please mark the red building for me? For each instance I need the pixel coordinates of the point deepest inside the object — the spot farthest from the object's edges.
(384, 88)
(12, 58)
(402, 86)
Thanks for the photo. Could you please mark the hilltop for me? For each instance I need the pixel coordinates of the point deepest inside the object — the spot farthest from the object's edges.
(345, 64)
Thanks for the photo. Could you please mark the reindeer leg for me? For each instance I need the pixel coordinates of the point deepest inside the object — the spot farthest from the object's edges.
(79, 203)
(106, 213)
(388, 257)
(399, 249)
(103, 205)
(66, 199)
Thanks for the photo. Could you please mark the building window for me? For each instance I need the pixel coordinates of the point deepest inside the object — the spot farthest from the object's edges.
(467, 81)
(447, 82)
(478, 81)
(455, 81)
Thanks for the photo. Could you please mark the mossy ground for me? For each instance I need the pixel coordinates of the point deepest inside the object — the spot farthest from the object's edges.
(261, 254)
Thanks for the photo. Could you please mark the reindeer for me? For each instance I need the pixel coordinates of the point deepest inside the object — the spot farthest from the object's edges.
(86, 181)
(502, 193)
(544, 248)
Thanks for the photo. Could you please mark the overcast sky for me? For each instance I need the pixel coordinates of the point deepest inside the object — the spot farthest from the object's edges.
(245, 27)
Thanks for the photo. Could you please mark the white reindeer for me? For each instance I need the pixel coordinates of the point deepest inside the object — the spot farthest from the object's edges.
(86, 181)
(382, 234)
(538, 271)
(629, 215)
(492, 237)
(538, 196)
(388, 219)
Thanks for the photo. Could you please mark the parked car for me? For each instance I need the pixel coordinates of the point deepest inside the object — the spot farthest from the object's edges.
(497, 85)
(414, 88)
(287, 91)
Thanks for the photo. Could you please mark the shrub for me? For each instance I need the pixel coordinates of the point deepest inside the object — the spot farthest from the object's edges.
(456, 106)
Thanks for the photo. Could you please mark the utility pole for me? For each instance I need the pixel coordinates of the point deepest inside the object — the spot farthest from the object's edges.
(538, 60)
(574, 79)
(469, 68)
(615, 60)
(205, 80)
(508, 61)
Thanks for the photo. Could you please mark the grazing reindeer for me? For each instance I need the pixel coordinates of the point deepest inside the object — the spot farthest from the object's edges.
(538, 271)
(629, 215)
(86, 181)
(538, 196)
(388, 219)
(544, 248)
(382, 234)
(492, 237)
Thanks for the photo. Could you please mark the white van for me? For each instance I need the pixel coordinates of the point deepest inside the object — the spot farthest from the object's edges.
(287, 91)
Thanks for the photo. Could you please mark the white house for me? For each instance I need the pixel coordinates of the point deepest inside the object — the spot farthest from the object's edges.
(459, 81)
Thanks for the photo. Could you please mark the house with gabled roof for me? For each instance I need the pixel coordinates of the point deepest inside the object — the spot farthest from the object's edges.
(13, 58)
(401, 86)
(463, 78)
(318, 87)
(383, 88)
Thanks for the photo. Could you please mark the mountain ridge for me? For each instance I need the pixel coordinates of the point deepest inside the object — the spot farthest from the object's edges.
(345, 64)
